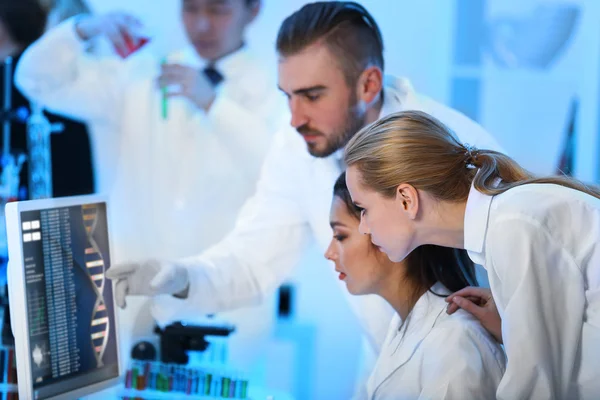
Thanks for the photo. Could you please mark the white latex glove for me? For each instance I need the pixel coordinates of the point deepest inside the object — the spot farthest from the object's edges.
(149, 278)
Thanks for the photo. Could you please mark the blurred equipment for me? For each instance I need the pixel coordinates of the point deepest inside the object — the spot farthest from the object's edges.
(207, 375)
(143, 351)
(535, 40)
(62, 310)
(10, 163)
(8, 373)
(177, 339)
(19, 114)
(566, 164)
(8, 67)
(40, 158)
(285, 309)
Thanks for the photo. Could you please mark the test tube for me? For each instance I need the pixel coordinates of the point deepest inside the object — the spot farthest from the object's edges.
(213, 351)
(141, 382)
(232, 388)
(201, 382)
(10, 367)
(160, 381)
(216, 392)
(244, 389)
(225, 383)
(181, 381)
(150, 382)
(134, 376)
(171, 379)
(188, 382)
(164, 99)
(2, 365)
(147, 372)
(128, 379)
(224, 352)
(208, 384)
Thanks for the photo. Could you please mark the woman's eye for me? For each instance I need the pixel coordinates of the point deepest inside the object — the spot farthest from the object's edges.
(339, 238)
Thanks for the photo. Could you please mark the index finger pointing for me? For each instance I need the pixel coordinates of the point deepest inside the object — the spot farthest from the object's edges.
(471, 291)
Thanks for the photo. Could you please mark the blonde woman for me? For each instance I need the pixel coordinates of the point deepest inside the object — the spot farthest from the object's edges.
(538, 238)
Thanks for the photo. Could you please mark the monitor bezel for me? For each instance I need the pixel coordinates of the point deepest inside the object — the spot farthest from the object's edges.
(18, 298)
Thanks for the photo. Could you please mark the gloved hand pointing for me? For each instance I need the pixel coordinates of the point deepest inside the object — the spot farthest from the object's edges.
(149, 278)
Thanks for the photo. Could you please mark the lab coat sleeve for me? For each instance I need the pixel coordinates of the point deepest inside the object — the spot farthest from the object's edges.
(541, 293)
(56, 72)
(247, 129)
(462, 365)
(256, 257)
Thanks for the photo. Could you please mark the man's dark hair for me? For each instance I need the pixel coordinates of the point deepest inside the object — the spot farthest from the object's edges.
(345, 27)
(426, 264)
(25, 20)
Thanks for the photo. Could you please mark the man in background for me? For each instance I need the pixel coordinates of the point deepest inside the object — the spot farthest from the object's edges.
(21, 23)
(193, 130)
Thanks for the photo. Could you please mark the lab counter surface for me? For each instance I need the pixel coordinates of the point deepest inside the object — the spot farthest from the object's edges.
(255, 393)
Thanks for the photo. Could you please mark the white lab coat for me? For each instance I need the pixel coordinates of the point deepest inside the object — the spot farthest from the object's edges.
(181, 181)
(540, 244)
(292, 204)
(434, 355)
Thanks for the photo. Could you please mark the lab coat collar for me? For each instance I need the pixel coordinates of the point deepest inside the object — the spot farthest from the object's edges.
(227, 66)
(338, 157)
(404, 338)
(398, 95)
(476, 222)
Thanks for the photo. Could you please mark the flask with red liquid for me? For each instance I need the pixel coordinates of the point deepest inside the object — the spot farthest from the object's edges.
(133, 45)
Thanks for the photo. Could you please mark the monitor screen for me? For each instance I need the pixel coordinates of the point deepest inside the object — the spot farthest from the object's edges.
(69, 302)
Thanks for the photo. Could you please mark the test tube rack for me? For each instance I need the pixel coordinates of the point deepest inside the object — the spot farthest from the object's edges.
(156, 380)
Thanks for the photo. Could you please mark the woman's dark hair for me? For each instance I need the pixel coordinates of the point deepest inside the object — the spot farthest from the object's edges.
(427, 264)
(24, 20)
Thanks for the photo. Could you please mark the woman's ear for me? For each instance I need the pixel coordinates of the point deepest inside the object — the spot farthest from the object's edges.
(407, 199)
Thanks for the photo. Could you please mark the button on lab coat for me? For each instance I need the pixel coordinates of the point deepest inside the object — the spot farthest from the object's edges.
(433, 355)
(291, 207)
(181, 181)
(540, 244)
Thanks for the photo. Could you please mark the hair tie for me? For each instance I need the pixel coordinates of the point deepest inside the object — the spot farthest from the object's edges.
(471, 154)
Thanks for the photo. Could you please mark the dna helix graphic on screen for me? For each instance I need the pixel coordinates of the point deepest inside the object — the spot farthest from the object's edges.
(95, 264)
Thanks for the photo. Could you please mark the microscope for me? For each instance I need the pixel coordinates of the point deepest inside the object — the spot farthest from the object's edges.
(179, 338)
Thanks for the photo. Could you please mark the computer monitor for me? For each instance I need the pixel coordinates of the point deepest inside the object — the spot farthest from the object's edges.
(61, 304)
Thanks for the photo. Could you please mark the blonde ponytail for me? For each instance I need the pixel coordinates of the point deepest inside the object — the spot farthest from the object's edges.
(415, 148)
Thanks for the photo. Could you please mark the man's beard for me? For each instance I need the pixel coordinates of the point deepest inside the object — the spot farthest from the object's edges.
(355, 120)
